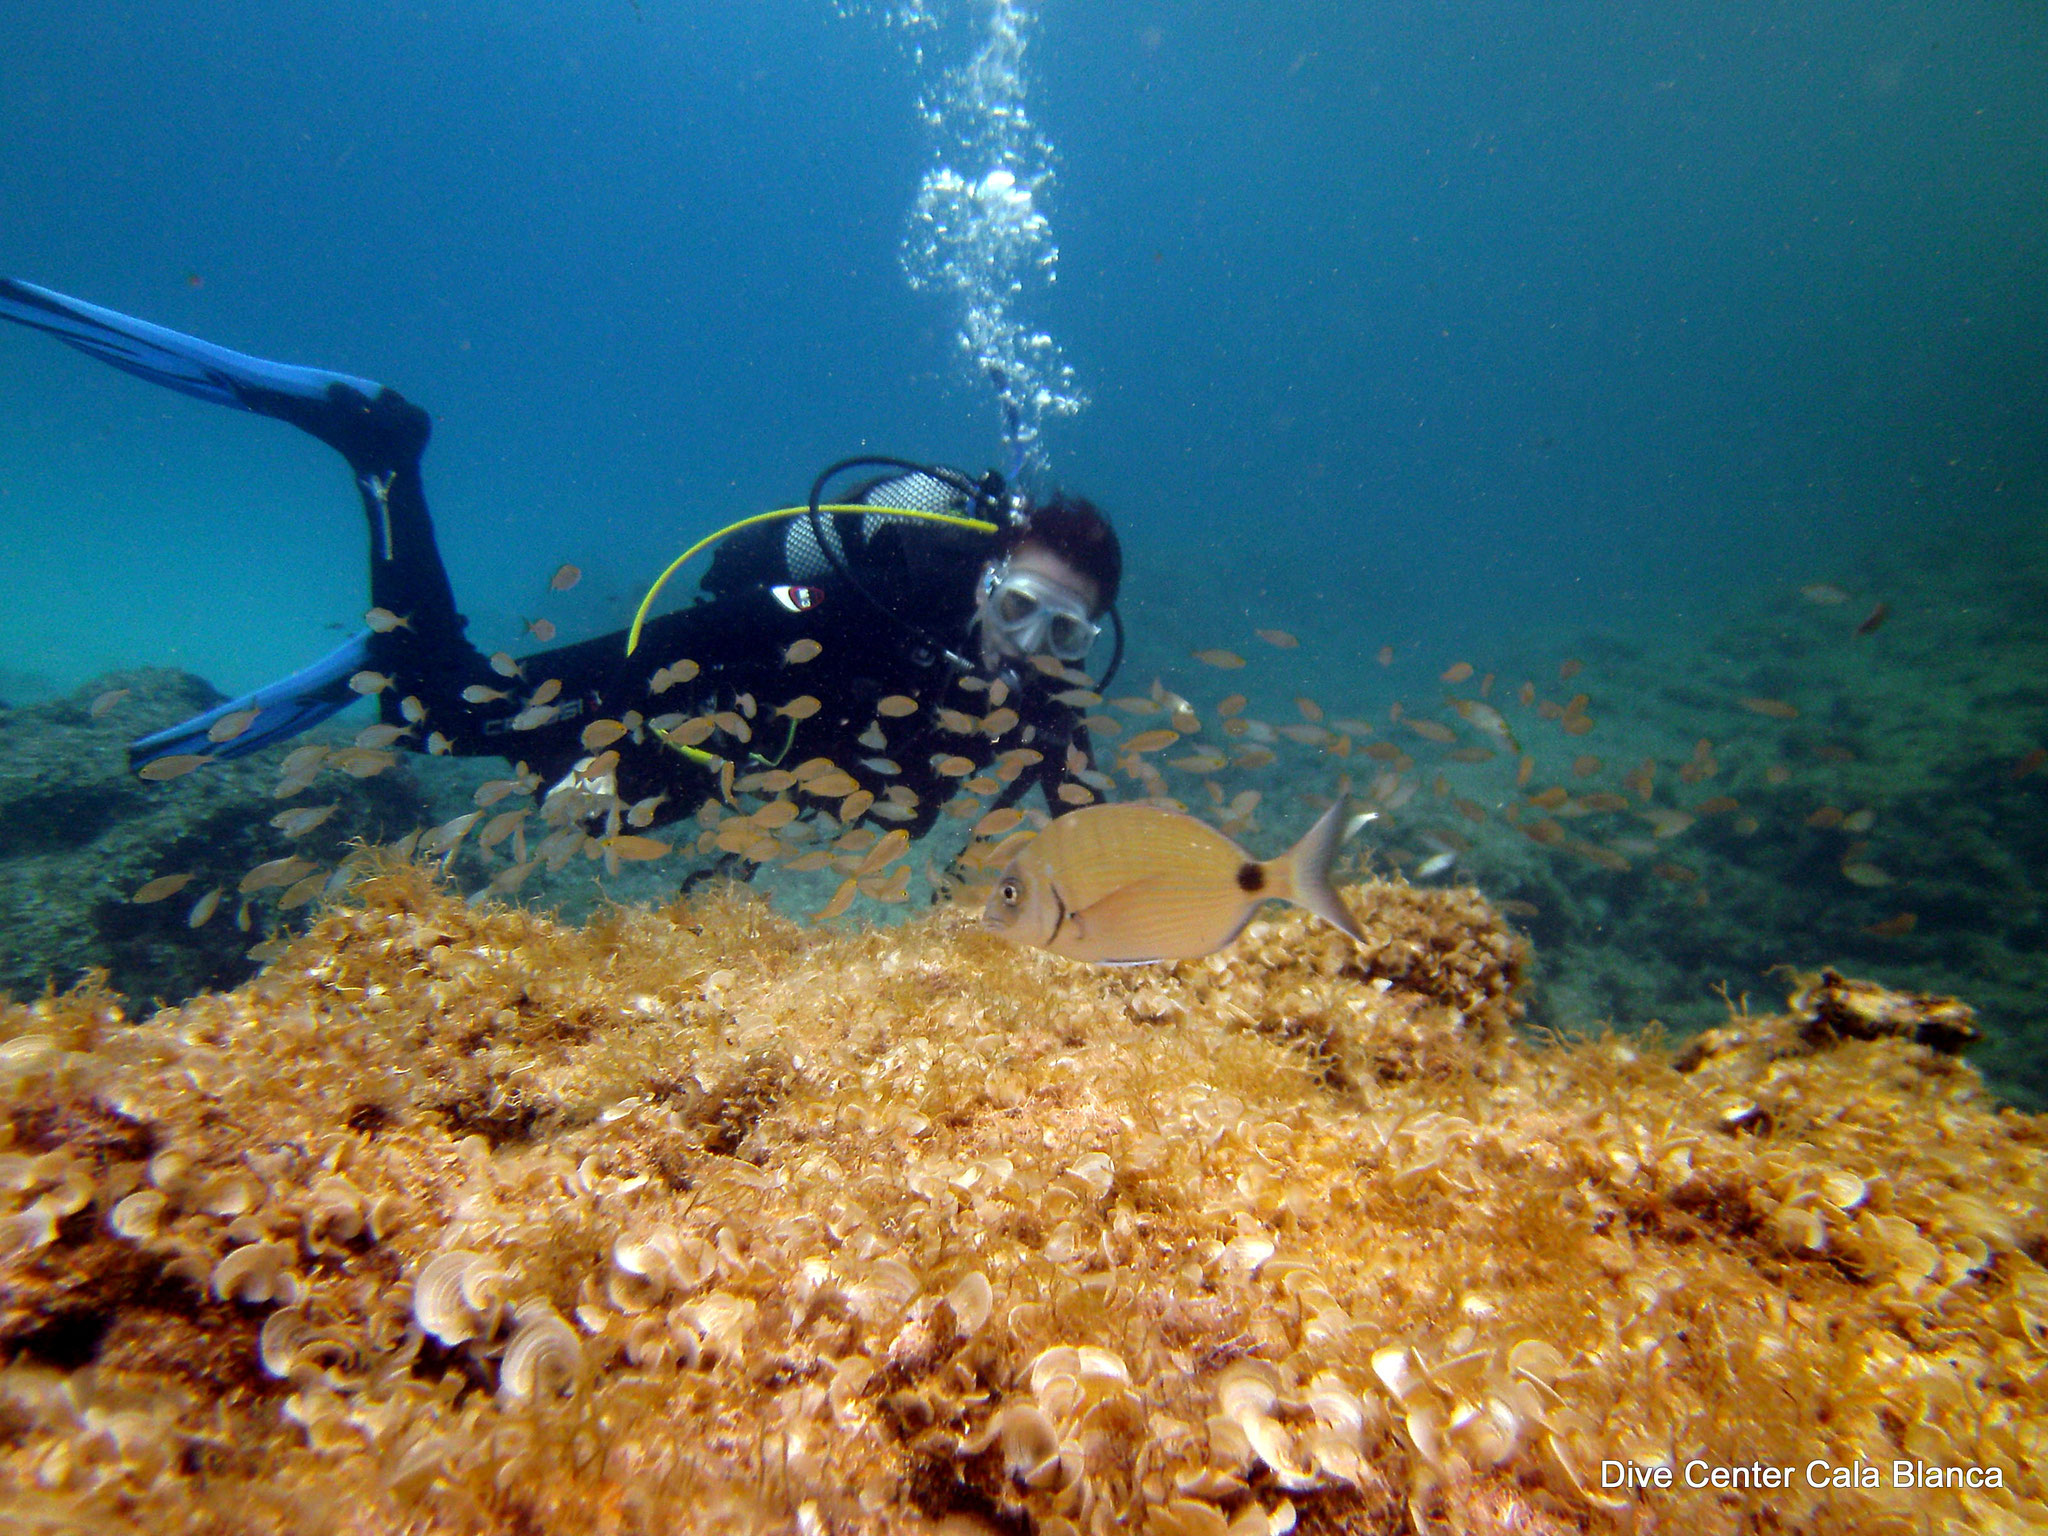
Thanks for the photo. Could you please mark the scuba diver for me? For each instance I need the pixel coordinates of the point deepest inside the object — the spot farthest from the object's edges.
(923, 626)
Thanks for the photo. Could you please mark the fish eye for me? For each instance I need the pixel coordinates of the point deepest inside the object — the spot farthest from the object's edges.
(1008, 892)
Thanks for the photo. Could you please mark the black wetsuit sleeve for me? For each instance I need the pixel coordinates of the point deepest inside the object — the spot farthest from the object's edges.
(902, 630)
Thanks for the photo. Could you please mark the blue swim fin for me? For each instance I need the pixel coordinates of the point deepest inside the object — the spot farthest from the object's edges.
(167, 357)
(377, 430)
(298, 703)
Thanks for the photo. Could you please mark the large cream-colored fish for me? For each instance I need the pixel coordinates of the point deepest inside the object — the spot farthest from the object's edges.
(1123, 884)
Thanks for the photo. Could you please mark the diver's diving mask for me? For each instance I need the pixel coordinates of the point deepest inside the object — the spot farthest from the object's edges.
(1034, 615)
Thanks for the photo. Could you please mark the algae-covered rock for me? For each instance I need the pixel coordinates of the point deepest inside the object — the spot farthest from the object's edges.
(81, 834)
(457, 1219)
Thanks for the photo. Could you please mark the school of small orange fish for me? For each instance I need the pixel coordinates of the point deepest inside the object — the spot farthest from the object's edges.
(1153, 745)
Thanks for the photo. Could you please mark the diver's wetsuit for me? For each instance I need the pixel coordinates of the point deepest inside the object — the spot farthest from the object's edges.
(891, 617)
(891, 614)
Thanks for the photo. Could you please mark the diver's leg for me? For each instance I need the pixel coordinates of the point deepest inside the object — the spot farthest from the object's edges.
(379, 432)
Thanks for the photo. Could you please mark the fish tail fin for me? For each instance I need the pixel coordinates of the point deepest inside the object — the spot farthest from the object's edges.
(1304, 872)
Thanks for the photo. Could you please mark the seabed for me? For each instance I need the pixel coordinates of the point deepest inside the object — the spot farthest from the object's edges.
(694, 1219)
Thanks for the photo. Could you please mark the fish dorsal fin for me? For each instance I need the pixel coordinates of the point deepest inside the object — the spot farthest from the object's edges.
(1160, 917)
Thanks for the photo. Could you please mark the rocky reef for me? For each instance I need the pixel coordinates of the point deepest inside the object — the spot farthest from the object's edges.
(458, 1219)
(80, 834)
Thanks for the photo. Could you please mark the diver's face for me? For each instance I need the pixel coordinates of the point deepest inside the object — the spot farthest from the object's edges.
(1036, 602)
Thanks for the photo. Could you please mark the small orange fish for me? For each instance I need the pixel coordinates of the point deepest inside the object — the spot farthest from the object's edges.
(297, 823)
(800, 708)
(1457, 672)
(628, 846)
(565, 577)
(301, 892)
(1385, 656)
(1227, 660)
(1894, 927)
(1152, 741)
(1877, 616)
(274, 872)
(228, 727)
(1667, 824)
(1824, 593)
(1567, 670)
(1277, 637)
(382, 621)
(174, 766)
(800, 651)
(886, 851)
(160, 888)
(106, 702)
(776, 813)
(542, 630)
(1486, 718)
(841, 900)
(361, 762)
(1775, 709)
(1127, 884)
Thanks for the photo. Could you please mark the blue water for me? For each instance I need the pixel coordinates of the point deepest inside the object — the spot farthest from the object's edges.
(1473, 330)
(1459, 320)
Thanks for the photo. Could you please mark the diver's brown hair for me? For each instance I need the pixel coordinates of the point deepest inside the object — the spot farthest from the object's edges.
(1073, 528)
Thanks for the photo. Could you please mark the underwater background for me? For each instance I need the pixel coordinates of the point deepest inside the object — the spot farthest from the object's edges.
(1608, 444)
(1669, 341)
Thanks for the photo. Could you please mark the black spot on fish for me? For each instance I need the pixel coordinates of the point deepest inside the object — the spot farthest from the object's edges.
(1250, 878)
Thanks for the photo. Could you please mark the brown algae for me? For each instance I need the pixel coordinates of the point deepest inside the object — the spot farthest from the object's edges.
(459, 1220)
